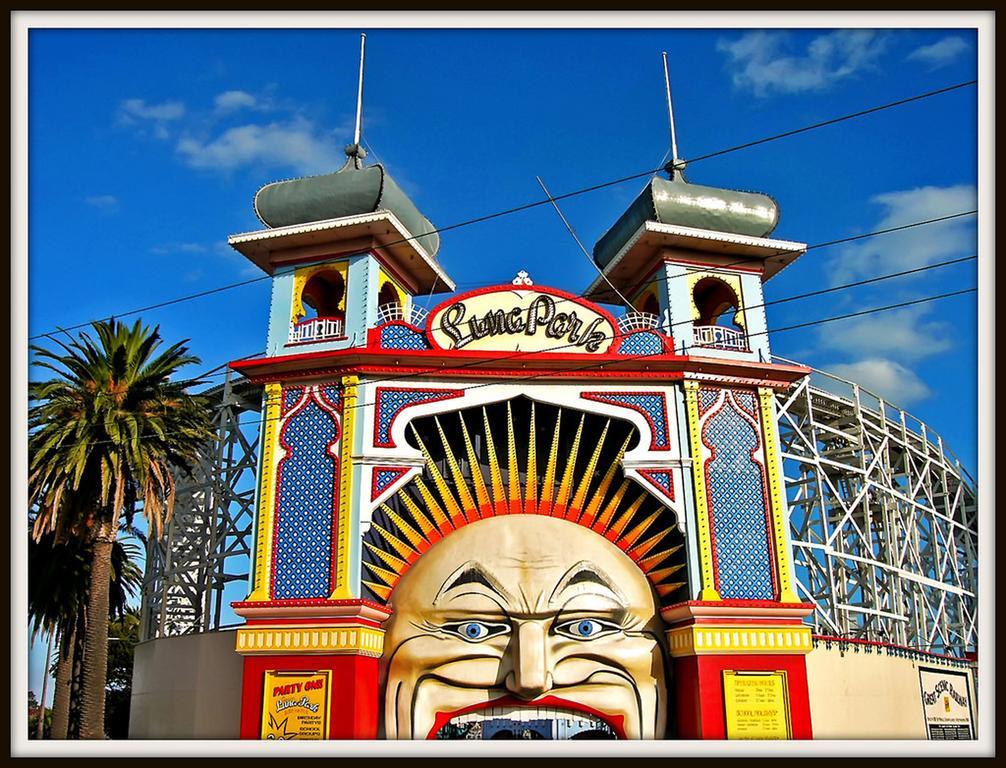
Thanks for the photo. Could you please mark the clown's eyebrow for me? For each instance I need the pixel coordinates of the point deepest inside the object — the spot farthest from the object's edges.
(585, 572)
(473, 573)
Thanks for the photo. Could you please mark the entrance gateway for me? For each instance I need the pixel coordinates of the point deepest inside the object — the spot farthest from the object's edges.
(518, 516)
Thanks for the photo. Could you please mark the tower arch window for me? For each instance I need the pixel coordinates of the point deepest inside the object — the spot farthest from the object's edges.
(323, 294)
(716, 302)
(321, 314)
(717, 306)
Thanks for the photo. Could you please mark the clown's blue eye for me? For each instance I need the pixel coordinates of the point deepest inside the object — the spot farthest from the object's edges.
(585, 629)
(476, 631)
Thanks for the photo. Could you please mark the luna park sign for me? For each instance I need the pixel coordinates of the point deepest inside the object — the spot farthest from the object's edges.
(508, 318)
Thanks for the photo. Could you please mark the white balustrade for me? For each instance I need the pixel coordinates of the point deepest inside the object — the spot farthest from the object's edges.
(637, 321)
(391, 312)
(317, 329)
(719, 337)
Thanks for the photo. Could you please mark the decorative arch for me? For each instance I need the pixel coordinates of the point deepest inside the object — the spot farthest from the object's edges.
(527, 458)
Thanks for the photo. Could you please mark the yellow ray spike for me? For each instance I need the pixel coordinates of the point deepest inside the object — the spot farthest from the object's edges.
(388, 577)
(381, 591)
(531, 476)
(566, 484)
(663, 573)
(415, 538)
(397, 565)
(460, 483)
(513, 471)
(647, 564)
(597, 498)
(601, 524)
(402, 548)
(623, 520)
(647, 544)
(436, 512)
(547, 486)
(417, 516)
(453, 508)
(495, 474)
(576, 506)
(666, 589)
(481, 492)
(633, 535)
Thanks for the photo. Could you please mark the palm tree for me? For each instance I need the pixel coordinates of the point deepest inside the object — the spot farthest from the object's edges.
(104, 436)
(57, 595)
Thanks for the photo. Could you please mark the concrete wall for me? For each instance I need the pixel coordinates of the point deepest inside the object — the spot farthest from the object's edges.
(186, 687)
(855, 694)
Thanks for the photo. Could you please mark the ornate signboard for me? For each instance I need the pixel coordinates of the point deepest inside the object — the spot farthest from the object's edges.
(946, 702)
(295, 705)
(506, 318)
(756, 705)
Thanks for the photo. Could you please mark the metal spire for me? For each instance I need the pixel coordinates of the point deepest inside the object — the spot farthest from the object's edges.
(355, 151)
(676, 164)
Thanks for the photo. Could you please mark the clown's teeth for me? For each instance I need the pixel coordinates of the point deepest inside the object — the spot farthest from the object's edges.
(561, 720)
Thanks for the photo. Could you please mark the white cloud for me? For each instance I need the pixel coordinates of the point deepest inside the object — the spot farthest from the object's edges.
(764, 63)
(105, 203)
(179, 248)
(892, 381)
(913, 247)
(295, 144)
(229, 101)
(900, 334)
(940, 53)
(138, 109)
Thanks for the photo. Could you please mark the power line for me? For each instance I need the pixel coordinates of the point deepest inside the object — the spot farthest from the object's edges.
(808, 294)
(590, 366)
(550, 200)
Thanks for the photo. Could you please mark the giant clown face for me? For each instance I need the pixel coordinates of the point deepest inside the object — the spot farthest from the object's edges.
(524, 626)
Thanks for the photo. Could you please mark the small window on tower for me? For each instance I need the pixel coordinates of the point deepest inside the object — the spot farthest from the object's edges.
(388, 295)
(323, 293)
(716, 302)
(650, 305)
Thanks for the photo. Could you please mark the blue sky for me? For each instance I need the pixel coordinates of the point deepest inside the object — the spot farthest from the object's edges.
(146, 148)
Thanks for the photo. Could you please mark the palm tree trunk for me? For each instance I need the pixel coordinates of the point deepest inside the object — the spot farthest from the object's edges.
(64, 678)
(92, 708)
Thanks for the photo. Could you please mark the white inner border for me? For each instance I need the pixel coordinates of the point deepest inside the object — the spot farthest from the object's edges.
(21, 22)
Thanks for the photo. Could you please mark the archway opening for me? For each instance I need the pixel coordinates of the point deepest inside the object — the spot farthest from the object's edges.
(716, 302)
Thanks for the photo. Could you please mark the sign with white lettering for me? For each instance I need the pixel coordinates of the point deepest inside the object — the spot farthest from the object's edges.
(946, 701)
(295, 705)
(756, 704)
(512, 320)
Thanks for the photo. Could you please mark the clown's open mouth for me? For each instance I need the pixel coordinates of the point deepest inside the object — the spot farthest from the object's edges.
(510, 722)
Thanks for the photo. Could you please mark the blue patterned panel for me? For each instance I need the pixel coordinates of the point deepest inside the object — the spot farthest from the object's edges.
(305, 504)
(736, 491)
(384, 478)
(707, 399)
(291, 396)
(391, 401)
(397, 336)
(641, 343)
(650, 405)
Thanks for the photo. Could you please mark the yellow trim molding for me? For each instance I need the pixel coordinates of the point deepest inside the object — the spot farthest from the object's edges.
(701, 502)
(733, 281)
(343, 587)
(403, 295)
(780, 513)
(266, 493)
(706, 640)
(306, 638)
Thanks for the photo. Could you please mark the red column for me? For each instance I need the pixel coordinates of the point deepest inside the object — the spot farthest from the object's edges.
(342, 637)
(709, 638)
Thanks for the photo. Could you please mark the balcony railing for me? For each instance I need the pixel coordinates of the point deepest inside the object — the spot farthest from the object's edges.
(317, 329)
(720, 337)
(415, 315)
(637, 321)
